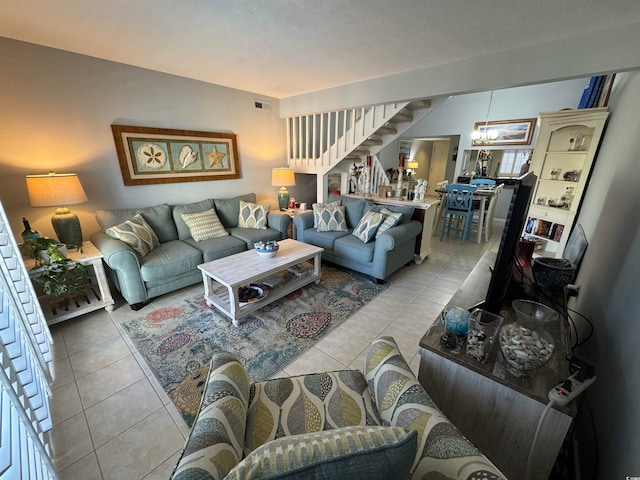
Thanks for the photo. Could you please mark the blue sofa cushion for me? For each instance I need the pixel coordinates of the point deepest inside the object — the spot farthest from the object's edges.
(169, 259)
(158, 218)
(405, 210)
(351, 247)
(354, 207)
(183, 229)
(214, 248)
(228, 209)
(323, 239)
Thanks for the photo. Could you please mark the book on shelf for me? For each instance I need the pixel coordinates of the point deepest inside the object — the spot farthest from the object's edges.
(301, 269)
(272, 281)
(557, 235)
(543, 228)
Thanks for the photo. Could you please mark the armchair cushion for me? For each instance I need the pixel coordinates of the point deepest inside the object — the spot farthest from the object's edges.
(308, 403)
(367, 453)
(216, 441)
(443, 452)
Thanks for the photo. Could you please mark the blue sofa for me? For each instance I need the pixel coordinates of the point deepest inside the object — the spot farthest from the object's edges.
(378, 258)
(173, 263)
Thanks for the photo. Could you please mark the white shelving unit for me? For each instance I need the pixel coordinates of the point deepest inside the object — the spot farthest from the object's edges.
(562, 159)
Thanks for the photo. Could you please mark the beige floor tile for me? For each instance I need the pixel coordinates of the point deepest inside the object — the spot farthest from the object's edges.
(342, 345)
(178, 420)
(433, 296)
(98, 356)
(108, 380)
(86, 468)
(448, 286)
(313, 361)
(139, 450)
(71, 441)
(58, 348)
(165, 469)
(62, 372)
(366, 327)
(407, 343)
(121, 410)
(78, 338)
(65, 402)
(415, 324)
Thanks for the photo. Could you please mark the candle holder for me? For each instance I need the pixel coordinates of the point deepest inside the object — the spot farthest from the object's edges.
(399, 185)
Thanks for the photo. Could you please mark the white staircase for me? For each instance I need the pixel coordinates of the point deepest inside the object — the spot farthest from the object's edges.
(325, 142)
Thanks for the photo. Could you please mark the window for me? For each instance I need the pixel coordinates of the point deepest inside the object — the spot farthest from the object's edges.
(512, 162)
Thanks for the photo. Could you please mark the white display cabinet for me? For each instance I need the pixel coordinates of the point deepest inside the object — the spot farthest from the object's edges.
(564, 153)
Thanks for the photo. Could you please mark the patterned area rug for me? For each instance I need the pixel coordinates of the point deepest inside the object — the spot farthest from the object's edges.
(178, 342)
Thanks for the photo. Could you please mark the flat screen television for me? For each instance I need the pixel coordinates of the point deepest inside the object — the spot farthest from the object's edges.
(513, 227)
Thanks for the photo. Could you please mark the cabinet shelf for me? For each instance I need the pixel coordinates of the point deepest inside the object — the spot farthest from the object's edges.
(552, 157)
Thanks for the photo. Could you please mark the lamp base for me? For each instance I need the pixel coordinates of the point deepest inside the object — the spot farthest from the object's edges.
(67, 227)
(283, 198)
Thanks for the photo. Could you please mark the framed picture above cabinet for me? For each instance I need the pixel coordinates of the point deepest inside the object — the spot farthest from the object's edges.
(562, 159)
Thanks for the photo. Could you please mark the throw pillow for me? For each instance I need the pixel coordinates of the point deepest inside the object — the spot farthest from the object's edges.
(391, 219)
(204, 225)
(367, 453)
(332, 219)
(317, 207)
(136, 233)
(368, 226)
(253, 215)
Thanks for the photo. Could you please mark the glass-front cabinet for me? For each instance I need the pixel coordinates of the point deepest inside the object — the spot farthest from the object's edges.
(562, 159)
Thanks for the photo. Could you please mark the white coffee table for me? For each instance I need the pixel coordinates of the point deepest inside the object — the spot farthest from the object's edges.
(248, 267)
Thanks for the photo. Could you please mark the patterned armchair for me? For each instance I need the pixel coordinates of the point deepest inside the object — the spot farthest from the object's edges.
(330, 425)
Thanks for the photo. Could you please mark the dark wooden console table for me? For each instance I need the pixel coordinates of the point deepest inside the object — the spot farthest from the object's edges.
(495, 410)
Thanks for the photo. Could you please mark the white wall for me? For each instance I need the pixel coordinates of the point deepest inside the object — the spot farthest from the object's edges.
(610, 290)
(57, 108)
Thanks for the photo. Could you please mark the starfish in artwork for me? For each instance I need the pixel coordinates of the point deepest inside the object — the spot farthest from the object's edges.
(215, 158)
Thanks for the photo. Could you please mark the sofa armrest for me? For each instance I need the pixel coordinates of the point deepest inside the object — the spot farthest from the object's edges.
(279, 221)
(397, 235)
(121, 258)
(216, 441)
(303, 220)
(402, 402)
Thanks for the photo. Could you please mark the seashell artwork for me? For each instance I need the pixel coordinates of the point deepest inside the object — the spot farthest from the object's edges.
(187, 156)
(152, 156)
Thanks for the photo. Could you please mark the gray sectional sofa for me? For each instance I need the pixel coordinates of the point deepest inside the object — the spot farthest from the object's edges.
(377, 258)
(173, 263)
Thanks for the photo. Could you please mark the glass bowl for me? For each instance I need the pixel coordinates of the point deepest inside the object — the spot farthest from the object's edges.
(526, 343)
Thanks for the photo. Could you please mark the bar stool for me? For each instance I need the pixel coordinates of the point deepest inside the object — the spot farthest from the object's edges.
(458, 209)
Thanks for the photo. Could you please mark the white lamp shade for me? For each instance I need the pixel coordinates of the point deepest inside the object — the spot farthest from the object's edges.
(283, 177)
(53, 190)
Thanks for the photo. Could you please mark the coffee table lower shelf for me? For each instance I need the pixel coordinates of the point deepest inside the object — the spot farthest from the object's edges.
(245, 268)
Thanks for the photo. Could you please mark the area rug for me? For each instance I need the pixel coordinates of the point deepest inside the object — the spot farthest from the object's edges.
(178, 341)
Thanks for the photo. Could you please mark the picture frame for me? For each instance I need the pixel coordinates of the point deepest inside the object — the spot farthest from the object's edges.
(510, 132)
(160, 155)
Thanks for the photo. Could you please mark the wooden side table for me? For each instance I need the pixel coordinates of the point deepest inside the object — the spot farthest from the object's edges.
(93, 300)
(496, 411)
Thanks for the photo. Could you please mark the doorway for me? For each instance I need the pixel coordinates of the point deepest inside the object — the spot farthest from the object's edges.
(432, 155)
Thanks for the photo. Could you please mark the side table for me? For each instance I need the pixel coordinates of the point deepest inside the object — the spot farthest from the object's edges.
(94, 300)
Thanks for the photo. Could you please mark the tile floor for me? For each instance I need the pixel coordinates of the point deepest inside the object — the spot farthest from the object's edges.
(112, 420)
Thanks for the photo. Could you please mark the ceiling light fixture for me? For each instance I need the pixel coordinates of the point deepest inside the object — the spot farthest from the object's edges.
(483, 134)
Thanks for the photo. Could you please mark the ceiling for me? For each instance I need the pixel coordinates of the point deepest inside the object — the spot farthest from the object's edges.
(282, 48)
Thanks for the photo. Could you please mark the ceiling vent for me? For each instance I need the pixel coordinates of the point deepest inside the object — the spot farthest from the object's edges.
(262, 105)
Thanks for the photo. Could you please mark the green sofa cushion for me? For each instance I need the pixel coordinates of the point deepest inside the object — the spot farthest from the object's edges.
(168, 260)
(354, 249)
(214, 248)
(178, 210)
(253, 235)
(367, 453)
(158, 218)
(228, 209)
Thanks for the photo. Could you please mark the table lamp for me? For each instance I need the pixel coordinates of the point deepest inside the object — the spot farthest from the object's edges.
(284, 177)
(58, 189)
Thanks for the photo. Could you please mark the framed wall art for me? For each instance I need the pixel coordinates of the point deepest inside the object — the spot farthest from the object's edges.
(160, 155)
(506, 132)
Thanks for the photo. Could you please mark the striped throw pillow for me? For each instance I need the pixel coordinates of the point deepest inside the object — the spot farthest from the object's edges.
(204, 225)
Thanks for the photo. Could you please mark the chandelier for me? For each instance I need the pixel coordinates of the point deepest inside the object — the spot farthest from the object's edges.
(484, 135)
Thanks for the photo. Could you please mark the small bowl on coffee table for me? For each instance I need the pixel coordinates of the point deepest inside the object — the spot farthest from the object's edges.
(267, 249)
